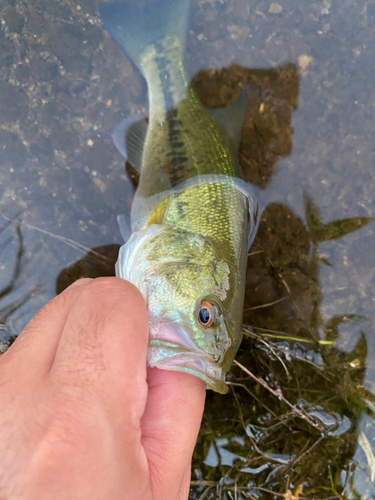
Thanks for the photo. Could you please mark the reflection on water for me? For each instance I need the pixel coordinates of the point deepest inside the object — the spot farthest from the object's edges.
(299, 419)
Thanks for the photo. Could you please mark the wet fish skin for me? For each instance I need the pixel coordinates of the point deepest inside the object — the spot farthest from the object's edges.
(190, 221)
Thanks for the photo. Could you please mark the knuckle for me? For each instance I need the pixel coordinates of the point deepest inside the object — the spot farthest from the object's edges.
(109, 291)
(9, 357)
(80, 282)
(83, 358)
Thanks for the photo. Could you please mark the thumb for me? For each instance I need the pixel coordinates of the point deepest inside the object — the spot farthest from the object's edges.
(170, 427)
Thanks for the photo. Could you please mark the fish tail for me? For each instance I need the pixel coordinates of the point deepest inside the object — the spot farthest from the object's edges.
(136, 26)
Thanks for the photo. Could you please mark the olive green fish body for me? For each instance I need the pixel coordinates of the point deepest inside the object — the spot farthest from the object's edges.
(190, 215)
(184, 143)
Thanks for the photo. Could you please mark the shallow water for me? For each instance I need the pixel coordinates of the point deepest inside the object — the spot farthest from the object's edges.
(308, 145)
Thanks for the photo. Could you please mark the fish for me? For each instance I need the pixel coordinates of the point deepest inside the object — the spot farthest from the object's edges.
(193, 216)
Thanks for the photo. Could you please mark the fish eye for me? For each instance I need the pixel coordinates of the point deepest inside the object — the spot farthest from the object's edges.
(207, 314)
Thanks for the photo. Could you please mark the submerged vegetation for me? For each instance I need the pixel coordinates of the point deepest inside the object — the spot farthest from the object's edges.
(10, 307)
(292, 427)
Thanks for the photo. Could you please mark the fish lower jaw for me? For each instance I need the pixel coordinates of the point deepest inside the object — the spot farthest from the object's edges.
(169, 356)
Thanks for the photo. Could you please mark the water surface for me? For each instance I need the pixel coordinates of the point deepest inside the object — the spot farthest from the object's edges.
(308, 145)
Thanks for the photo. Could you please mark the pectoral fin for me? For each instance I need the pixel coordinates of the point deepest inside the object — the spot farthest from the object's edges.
(254, 212)
(123, 222)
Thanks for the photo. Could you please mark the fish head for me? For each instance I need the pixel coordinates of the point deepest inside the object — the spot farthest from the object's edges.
(195, 320)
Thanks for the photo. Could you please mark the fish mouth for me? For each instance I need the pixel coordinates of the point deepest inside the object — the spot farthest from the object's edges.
(171, 348)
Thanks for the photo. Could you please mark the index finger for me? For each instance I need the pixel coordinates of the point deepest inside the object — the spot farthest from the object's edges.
(103, 345)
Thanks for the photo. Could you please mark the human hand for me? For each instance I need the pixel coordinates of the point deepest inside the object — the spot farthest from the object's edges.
(81, 417)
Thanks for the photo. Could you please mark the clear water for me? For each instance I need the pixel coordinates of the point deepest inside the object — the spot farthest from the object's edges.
(308, 144)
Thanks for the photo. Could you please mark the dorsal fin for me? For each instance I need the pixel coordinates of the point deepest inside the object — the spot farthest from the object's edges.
(232, 118)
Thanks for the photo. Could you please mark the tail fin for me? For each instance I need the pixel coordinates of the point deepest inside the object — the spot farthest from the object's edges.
(137, 24)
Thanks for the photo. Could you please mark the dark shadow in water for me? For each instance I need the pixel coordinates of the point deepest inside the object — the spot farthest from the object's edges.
(98, 262)
(251, 441)
(272, 97)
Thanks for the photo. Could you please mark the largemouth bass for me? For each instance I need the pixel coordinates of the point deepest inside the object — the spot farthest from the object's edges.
(193, 217)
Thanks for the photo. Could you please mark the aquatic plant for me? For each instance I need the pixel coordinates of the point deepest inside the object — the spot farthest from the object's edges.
(291, 428)
(10, 307)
